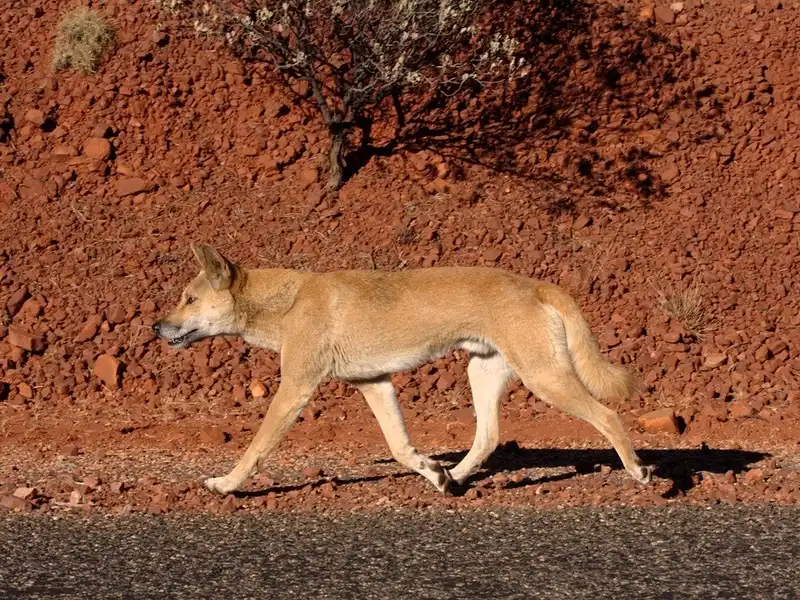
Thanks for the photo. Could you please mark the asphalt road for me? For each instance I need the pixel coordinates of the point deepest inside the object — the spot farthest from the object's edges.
(635, 554)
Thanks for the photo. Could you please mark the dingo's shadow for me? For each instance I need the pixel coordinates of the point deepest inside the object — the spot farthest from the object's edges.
(678, 465)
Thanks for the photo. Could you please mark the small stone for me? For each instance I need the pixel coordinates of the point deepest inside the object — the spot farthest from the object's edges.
(22, 339)
(446, 381)
(308, 177)
(671, 172)
(97, 148)
(492, 255)
(740, 410)
(115, 315)
(91, 482)
(664, 15)
(25, 391)
(11, 502)
(753, 475)
(440, 186)
(715, 360)
(108, 369)
(71, 450)
(131, 186)
(257, 389)
(213, 435)
(239, 394)
(581, 221)
(62, 152)
(605, 469)
(609, 340)
(660, 421)
(230, 504)
(16, 300)
(75, 497)
(102, 130)
(25, 493)
(313, 473)
(35, 117)
(89, 330)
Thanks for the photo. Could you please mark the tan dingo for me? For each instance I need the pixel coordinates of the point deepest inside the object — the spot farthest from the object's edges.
(361, 326)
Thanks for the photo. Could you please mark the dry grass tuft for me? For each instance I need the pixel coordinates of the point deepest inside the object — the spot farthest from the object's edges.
(687, 306)
(82, 37)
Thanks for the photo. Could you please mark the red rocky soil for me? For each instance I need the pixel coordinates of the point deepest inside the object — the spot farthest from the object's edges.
(662, 158)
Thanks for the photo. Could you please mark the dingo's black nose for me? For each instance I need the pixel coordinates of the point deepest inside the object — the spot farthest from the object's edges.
(157, 327)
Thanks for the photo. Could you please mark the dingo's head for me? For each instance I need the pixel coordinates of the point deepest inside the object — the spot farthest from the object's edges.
(206, 307)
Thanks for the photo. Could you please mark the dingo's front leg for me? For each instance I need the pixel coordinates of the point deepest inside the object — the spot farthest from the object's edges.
(281, 415)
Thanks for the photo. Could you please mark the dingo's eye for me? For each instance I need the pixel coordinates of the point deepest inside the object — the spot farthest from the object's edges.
(190, 300)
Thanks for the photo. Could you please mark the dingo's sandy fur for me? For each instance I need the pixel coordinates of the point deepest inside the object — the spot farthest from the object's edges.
(361, 326)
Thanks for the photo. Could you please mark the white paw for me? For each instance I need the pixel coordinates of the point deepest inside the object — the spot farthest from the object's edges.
(219, 485)
(644, 474)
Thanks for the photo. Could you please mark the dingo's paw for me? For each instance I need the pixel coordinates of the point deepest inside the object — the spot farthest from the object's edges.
(219, 485)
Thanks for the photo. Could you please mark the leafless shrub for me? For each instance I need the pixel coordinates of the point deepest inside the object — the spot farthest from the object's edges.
(351, 57)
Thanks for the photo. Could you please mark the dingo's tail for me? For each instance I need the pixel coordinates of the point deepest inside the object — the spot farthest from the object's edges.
(602, 378)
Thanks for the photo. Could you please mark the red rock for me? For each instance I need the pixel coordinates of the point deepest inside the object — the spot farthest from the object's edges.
(609, 340)
(11, 502)
(664, 14)
(740, 409)
(131, 186)
(308, 176)
(446, 381)
(22, 339)
(581, 221)
(62, 153)
(230, 504)
(213, 436)
(25, 391)
(440, 186)
(97, 148)
(239, 394)
(753, 475)
(16, 301)
(35, 117)
(26, 493)
(89, 330)
(91, 482)
(257, 389)
(115, 315)
(313, 473)
(660, 421)
(715, 360)
(671, 171)
(102, 130)
(108, 369)
(492, 255)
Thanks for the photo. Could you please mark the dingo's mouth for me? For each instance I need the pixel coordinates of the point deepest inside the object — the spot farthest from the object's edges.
(182, 340)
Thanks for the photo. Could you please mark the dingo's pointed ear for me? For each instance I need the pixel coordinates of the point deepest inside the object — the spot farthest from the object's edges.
(219, 270)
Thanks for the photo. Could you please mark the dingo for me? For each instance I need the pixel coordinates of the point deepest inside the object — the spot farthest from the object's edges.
(361, 326)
